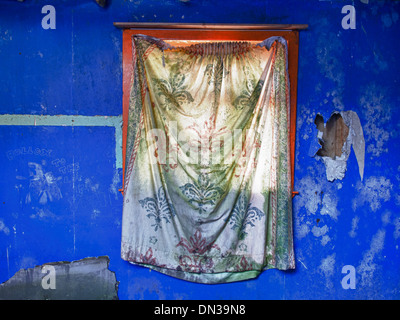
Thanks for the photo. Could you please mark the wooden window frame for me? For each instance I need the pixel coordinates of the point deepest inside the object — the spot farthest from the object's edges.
(214, 32)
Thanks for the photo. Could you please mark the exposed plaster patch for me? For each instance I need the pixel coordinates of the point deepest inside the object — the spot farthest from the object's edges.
(306, 117)
(354, 227)
(333, 97)
(151, 285)
(116, 183)
(378, 115)
(329, 205)
(321, 232)
(90, 185)
(304, 121)
(310, 196)
(325, 239)
(5, 35)
(373, 191)
(84, 279)
(367, 266)
(316, 196)
(302, 230)
(4, 228)
(396, 233)
(43, 186)
(341, 132)
(327, 268)
(386, 218)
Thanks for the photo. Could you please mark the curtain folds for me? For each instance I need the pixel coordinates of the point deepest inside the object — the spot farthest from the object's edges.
(207, 194)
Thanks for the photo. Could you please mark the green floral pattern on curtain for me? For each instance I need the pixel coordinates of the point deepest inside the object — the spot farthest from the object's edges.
(207, 195)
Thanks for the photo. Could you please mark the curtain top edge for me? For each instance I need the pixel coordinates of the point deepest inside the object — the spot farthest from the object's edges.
(223, 46)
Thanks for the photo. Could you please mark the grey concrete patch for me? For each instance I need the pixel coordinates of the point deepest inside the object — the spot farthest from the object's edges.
(86, 279)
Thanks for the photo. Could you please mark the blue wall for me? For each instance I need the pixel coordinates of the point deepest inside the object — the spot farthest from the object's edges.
(59, 198)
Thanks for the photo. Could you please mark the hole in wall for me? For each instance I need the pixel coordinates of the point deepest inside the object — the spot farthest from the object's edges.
(335, 138)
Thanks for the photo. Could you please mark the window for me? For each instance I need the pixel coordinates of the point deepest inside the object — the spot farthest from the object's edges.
(209, 127)
(212, 32)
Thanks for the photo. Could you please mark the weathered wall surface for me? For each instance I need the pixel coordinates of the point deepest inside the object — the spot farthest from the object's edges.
(59, 198)
(86, 279)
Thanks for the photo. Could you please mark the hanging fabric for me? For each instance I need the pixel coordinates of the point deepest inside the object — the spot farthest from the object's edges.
(207, 194)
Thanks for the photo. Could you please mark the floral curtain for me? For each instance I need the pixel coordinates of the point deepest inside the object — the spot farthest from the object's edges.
(207, 194)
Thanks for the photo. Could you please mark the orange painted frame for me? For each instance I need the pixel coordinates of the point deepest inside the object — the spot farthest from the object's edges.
(291, 36)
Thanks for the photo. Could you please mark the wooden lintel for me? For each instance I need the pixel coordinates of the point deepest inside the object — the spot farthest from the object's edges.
(208, 26)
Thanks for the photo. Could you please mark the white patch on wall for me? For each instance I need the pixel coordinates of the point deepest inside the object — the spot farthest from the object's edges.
(42, 213)
(138, 287)
(90, 185)
(354, 226)
(321, 232)
(302, 230)
(378, 115)
(373, 191)
(5, 35)
(43, 187)
(397, 197)
(396, 233)
(306, 118)
(316, 195)
(329, 205)
(4, 228)
(388, 221)
(309, 194)
(386, 218)
(116, 184)
(335, 99)
(325, 239)
(327, 268)
(367, 266)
